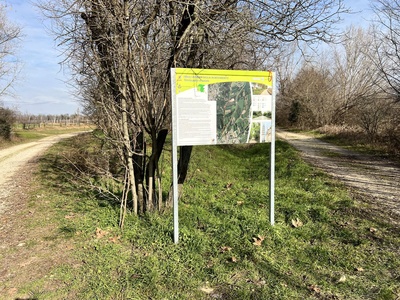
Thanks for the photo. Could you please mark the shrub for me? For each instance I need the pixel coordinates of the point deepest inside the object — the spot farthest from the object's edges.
(7, 118)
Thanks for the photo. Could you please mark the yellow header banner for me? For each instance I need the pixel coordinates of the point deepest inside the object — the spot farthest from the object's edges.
(187, 79)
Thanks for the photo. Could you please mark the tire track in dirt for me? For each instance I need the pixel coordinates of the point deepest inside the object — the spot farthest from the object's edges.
(375, 178)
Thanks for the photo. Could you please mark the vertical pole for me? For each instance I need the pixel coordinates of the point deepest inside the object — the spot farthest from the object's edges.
(272, 163)
(175, 190)
(174, 158)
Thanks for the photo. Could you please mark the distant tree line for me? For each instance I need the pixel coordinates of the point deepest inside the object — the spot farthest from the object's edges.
(29, 121)
(10, 119)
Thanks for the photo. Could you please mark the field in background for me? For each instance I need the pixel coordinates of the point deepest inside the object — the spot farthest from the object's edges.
(33, 133)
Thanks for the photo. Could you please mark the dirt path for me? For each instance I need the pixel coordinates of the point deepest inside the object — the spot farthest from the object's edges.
(377, 180)
(14, 158)
(26, 254)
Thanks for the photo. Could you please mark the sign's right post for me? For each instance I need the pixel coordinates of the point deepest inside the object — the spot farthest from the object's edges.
(272, 155)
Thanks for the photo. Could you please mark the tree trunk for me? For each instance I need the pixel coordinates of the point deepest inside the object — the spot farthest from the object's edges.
(183, 168)
(153, 199)
(183, 163)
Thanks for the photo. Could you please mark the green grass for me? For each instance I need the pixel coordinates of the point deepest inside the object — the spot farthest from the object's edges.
(342, 250)
(20, 136)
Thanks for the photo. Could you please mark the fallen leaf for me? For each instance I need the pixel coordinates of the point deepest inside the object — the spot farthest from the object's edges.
(207, 290)
(258, 240)
(239, 203)
(260, 282)
(228, 185)
(342, 278)
(100, 233)
(314, 288)
(225, 249)
(372, 229)
(297, 223)
(114, 239)
(233, 259)
(359, 269)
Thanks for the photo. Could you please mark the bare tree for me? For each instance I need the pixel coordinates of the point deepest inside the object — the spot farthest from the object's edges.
(387, 43)
(122, 52)
(9, 34)
(310, 97)
(356, 78)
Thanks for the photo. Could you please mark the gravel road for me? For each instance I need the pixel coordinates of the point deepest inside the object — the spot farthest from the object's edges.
(13, 159)
(376, 180)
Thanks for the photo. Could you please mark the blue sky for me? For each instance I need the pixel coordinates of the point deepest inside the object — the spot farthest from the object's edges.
(41, 88)
(362, 12)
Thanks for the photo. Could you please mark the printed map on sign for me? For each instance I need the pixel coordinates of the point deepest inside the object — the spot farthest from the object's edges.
(222, 106)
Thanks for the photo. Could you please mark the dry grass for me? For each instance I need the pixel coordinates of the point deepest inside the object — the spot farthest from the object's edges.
(386, 144)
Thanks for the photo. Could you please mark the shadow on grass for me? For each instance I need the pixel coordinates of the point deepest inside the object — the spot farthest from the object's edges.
(74, 171)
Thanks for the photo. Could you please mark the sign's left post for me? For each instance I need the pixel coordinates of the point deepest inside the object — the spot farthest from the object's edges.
(174, 157)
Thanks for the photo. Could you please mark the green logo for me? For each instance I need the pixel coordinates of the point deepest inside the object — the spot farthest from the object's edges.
(200, 88)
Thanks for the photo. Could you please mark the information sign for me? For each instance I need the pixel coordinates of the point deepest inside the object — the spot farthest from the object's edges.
(212, 107)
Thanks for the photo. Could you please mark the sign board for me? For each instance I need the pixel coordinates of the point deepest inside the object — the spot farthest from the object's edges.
(211, 107)
(221, 106)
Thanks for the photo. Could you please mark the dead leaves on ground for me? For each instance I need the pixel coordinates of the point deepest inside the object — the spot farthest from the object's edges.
(225, 249)
(228, 186)
(100, 233)
(342, 278)
(314, 288)
(297, 223)
(373, 230)
(260, 282)
(257, 241)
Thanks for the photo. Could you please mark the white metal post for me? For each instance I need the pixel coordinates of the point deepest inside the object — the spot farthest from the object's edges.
(174, 158)
(272, 154)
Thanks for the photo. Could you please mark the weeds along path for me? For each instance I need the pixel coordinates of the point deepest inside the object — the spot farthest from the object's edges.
(375, 179)
(27, 252)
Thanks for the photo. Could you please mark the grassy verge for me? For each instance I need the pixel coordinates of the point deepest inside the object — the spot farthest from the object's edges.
(357, 140)
(325, 244)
